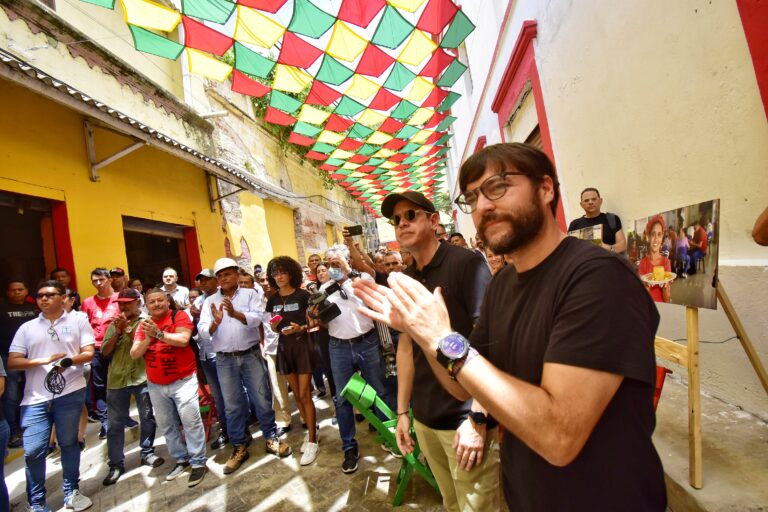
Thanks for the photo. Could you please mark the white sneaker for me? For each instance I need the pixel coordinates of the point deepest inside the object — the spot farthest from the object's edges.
(309, 454)
(304, 443)
(77, 501)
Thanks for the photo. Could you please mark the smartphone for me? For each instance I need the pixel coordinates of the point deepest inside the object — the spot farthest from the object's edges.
(276, 319)
(284, 329)
(355, 230)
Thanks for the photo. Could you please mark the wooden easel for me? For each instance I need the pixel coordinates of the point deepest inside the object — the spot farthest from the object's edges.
(688, 356)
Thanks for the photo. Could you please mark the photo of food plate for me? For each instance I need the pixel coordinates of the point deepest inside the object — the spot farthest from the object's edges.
(651, 280)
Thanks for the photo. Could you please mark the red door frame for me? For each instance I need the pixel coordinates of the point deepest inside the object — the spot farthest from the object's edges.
(62, 240)
(521, 69)
(194, 263)
(754, 19)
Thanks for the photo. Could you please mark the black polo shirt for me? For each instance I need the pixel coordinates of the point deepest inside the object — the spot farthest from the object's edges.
(462, 275)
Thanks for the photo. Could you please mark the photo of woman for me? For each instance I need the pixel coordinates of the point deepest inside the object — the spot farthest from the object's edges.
(655, 269)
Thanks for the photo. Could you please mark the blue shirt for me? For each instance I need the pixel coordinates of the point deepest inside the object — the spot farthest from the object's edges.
(232, 335)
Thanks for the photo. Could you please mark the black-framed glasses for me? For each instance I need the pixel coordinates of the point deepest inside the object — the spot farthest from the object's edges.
(47, 295)
(53, 334)
(408, 215)
(492, 188)
(276, 273)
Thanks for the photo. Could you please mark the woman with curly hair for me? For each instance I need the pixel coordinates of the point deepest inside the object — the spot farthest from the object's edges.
(295, 351)
(655, 259)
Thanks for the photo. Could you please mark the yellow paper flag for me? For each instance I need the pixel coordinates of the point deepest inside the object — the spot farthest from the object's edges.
(329, 137)
(341, 154)
(420, 88)
(421, 116)
(203, 64)
(350, 166)
(290, 79)
(421, 136)
(379, 138)
(418, 48)
(362, 88)
(255, 28)
(345, 44)
(371, 118)
(312, 115)
(408, 5)
(150, 15)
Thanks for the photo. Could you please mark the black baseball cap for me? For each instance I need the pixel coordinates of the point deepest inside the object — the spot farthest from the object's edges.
(117, 271)
(417, 198)
(128, 295)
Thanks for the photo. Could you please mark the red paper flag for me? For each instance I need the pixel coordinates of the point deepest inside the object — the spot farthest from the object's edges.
(395, 144)
(359, 159)
(437, 14)
(297, 52)
(245, 85)
(264, 5)
(350, 144)
(384, 100)
(300, 139)
(391, 126)
(314, 155)
(374, 61)
(360, 12)
(337, 123)
(200, 37)
(435, 98)
(321, 94)
(275, 116)
(437, 63)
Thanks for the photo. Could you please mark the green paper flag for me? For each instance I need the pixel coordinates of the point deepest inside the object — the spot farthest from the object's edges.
(406, 132)
(360, 131)
(322, 147)
(251, 62)
(217, 11)
(310, 20)
(282, 101)
(149, 42)
(349, 107)
(444, 124)
(404, 110)
(367, 150)
(109, 4)
(333, 72)
(460, 28)
(392, 29)
(307, 129)
(448, 101)
(399, 77)
(453, 73)
(335, 161)
(410, 148)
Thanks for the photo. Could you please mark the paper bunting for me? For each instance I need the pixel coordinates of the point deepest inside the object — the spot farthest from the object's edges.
(362, 86)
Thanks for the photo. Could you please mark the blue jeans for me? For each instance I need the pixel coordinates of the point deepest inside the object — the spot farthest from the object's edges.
(249, 370)
(345, 358)
(37, 420)
(174, 402)
(98, 389)
(212, 377)
(118, 409)
(5, 434)
(12, 397)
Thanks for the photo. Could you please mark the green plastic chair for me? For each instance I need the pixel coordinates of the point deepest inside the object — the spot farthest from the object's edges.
(364, 398)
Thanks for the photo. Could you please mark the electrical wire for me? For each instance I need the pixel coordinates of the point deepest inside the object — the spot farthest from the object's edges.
(710, 342)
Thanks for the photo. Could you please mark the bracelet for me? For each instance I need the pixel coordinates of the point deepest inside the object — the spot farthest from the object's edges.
(402, 413)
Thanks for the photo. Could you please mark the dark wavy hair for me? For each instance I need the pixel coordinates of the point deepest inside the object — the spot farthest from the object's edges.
(50, 283)
(286, 264)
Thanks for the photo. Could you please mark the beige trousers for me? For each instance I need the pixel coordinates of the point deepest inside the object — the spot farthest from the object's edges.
(280, 402)
(463, 491)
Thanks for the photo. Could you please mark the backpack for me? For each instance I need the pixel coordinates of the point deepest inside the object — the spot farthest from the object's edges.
(613, 225)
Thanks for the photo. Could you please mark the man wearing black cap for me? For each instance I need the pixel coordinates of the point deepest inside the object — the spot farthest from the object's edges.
(127, 377)
(119, 279)
(467, 474)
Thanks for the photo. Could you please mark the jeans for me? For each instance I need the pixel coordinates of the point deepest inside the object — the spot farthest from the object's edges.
(345, 357)
(37, 420)
(5, 434)
(212, 378)
(99, 369)
(322, 340)
(118, 407)
(174, 402)
(14, 388)
(248, 370)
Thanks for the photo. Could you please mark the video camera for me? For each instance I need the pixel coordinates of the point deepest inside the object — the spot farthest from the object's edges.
(327, 310)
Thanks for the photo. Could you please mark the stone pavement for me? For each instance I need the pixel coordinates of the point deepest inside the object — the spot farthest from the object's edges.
(263, 483)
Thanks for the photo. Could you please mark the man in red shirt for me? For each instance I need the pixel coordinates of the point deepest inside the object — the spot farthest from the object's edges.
(101, 309)
(699, 244)
(163, 341)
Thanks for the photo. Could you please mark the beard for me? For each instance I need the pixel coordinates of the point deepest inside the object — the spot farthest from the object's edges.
(523, 226)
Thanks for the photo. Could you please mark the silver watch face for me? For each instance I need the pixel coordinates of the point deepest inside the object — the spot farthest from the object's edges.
(454, 346)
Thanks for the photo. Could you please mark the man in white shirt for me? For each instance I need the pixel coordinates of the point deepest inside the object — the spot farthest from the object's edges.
(354, 344)
(230, 319)
(179, 293)
(58, 344)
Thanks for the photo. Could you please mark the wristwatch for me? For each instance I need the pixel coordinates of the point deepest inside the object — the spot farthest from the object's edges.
(478, 417)
(160, 335)
(451, 348)
(354, 274)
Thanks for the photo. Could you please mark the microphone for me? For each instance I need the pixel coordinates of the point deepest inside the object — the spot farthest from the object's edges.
(64, 362)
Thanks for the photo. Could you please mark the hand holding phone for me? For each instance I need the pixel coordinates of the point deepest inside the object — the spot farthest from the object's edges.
(354, 230)
(274, 321)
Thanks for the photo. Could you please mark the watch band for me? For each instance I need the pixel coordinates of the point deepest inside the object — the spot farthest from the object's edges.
(454, 367)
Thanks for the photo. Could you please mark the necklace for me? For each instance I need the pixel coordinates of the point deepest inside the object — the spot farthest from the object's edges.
(284, 298)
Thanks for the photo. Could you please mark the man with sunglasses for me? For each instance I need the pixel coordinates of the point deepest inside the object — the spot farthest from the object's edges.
(55, 341)
(562, 355)
(456, 436)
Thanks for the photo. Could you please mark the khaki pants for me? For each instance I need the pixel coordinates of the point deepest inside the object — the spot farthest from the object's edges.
(473, 490)
(279, 393)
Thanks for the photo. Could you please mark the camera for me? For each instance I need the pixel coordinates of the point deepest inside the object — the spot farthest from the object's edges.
(327, 311)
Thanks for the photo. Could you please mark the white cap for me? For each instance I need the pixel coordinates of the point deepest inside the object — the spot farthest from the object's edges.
(223, 263)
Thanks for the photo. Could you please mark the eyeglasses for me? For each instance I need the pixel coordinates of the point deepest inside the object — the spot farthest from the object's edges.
(276, 273)
(408, 215)
(52, 332)
(47, 295)
(492, 188)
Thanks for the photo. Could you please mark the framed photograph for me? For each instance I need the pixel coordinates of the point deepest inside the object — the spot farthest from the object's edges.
(675, 254)
(592, 234)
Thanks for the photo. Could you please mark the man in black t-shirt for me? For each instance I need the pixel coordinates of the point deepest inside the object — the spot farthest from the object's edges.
(562, 355)
(613, 237)
(466, 474)
(14, 312)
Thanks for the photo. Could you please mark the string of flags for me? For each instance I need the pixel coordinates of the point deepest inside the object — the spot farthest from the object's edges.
(364, 85)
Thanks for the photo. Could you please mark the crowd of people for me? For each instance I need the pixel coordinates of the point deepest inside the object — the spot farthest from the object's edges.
(545, 335)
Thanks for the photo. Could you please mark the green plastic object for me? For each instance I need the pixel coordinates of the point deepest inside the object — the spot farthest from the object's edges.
(364, 398)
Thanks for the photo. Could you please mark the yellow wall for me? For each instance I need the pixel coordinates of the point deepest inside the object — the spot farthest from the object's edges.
(42, 153)
(329, 234)
(281, 230)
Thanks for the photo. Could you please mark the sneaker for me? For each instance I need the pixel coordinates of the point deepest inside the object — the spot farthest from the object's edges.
(392, 451)
(239, 455)
(197, 475)
(309, 454)
(113, 476)
(152, 460)
(277, 447)
(16, 441)
(103, 432)
(38, 508)
(131, 423)
(220, 441)
(304, 443)
(177, 470)
(321, 393)
(92, 418)
(350, 461)
(280, 432)
(77, 501)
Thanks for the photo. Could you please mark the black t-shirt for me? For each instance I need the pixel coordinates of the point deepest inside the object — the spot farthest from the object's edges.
(582, 306)
(463, 277)
(609, 235)
(11, 318)
(292, 308)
